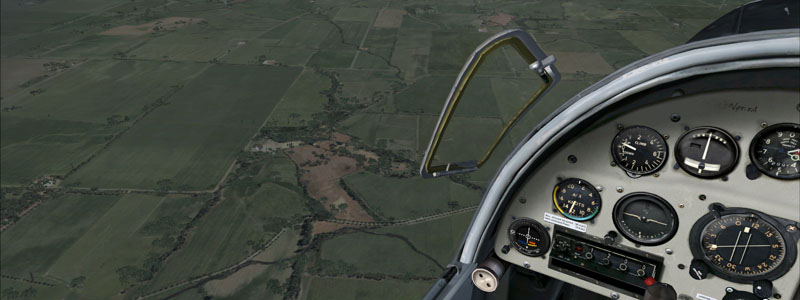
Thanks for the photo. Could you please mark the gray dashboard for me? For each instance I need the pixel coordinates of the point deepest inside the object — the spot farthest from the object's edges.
(742, 113)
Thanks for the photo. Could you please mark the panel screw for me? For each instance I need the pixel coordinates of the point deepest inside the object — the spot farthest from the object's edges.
(668, 251)
(526, 265)
(619, 189)
(702, 197)
(729, 290)
(666, 136)
(791, 228)
(681, 266)
(763, 124)
(620, 127)
(614, 295)
(613, 164)
(737, 137)
(572, 159)
(599, 188)
(685, 128)
(680, 205)
(777, 296)
(675, 117)
(522, 200)
(656, 175)
(724, 178)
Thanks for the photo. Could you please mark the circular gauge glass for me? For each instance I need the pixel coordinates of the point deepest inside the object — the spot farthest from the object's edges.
(707, 152)
(645, 219)
(775, 151)
(639, 150)
(576, 199)
(742, 246)
(529, 237)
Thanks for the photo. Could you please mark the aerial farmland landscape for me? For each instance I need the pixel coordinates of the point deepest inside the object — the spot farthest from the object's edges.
(269, 149)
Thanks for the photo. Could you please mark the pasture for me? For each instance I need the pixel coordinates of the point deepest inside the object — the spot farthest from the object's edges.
(191, 141)
(407, 198)
(340, 288)
(234, 229)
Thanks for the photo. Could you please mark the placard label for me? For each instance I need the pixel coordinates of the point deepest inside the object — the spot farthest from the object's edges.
(704, 297)
(564, 222)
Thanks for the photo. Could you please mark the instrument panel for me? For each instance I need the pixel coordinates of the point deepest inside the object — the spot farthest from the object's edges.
(700, 192)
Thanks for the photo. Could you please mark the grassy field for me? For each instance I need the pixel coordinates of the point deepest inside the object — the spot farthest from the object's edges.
(367, 253)
(303, 99)
(232, 231)
(114, 232)
(35, 243)
(439, 238)
(409, 198)
(53, 132)
(191, 141)
(338, 288)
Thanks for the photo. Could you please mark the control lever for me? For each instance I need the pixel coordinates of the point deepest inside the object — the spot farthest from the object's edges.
(658, 290)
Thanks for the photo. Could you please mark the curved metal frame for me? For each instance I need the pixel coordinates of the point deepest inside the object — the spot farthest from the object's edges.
(526, 46)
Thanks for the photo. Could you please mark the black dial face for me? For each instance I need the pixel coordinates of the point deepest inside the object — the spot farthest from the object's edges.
(529, 237)
(742, 245)
(639, 150)
(645, 218)
(775, 151)
(576, 199)
(707, 152)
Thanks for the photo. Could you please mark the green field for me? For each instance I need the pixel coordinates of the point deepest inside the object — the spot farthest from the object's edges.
(232, 231)
(191, 141)
(407, 198)
(55, 131)
(337, 288)
(364, 253)
(303, 99)
(35, 243)
(115, 232)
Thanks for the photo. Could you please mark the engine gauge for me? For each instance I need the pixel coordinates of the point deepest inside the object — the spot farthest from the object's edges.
(707, 152)
(742, 245)
(639, 150)
(577, 199)
(645, 219)
(529, 237)
(775, 151)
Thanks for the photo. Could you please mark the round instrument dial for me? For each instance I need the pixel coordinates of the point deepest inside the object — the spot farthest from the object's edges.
(645, 219)
(529, 237)
(775, 151)
(707, 152)
(742, 246)
(639, 150)
(576, 199)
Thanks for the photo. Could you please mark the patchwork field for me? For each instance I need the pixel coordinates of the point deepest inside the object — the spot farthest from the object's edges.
(115, 233)
(267, 149)
(192, 140)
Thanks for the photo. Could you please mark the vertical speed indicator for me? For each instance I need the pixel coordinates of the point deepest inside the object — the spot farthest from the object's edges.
(639, 150)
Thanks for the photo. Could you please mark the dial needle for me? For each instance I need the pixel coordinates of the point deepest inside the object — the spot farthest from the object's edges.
(731, 246)
(629, 146)
(632, 215)
(573, 205)
(657, 222)
(745, 248)
(708, 143)
(735, 245)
